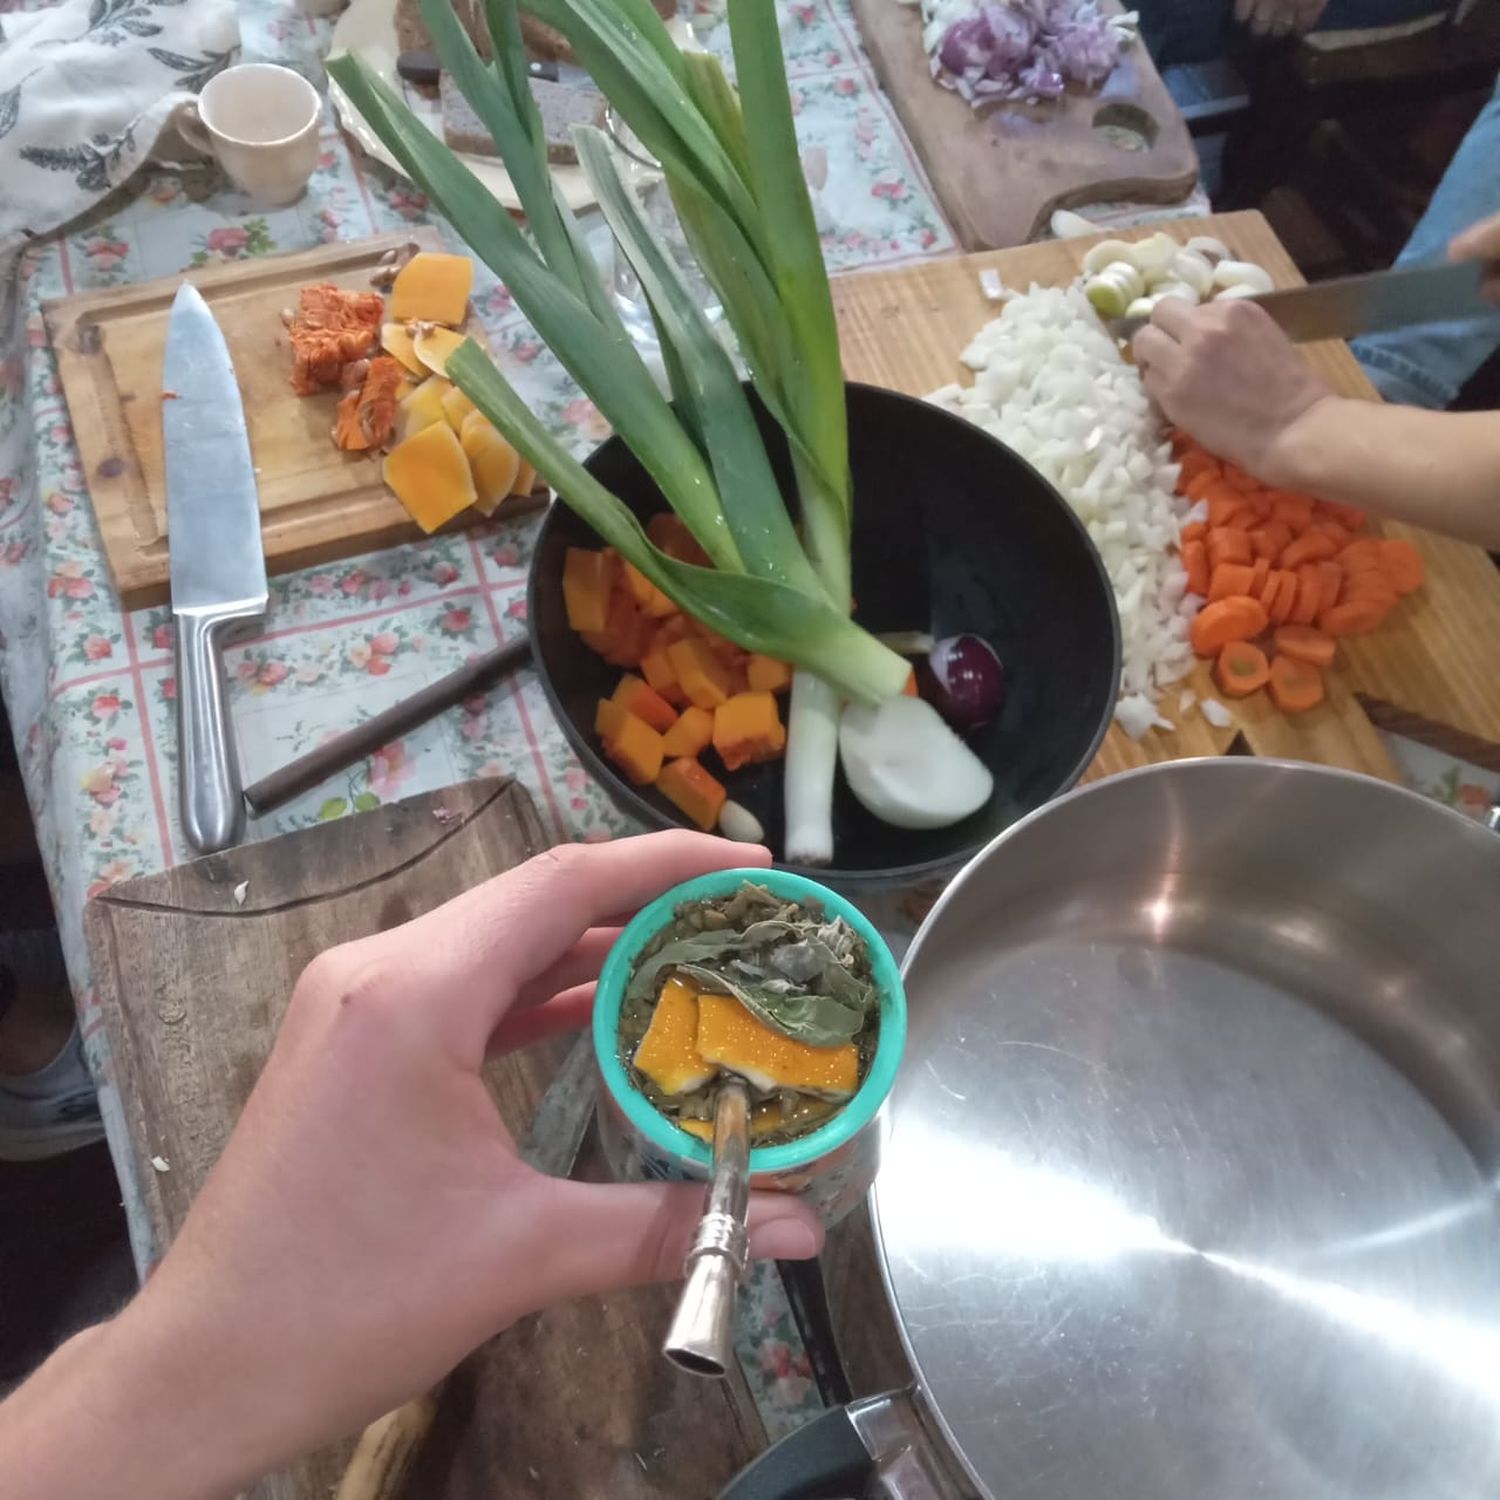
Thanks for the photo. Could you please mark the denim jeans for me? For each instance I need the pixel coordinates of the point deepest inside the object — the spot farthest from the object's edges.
(1427, 365)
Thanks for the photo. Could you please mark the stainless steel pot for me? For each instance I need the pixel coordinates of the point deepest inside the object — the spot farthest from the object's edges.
(1190, 1186)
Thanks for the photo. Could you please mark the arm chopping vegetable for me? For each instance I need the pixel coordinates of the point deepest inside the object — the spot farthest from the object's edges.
(370, 1220)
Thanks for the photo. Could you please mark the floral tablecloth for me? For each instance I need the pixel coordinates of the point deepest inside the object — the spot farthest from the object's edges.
(90, 688)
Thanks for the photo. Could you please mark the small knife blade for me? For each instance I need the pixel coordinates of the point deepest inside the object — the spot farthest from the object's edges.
(218, 566)
(1351, 305)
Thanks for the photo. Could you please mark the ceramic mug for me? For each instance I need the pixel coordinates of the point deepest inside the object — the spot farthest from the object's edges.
(830, 1168)
(260, 122)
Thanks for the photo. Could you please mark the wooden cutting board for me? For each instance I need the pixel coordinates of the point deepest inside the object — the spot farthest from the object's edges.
(316, 503)
(576, 1401)
(1433, 669)
(1001, 171)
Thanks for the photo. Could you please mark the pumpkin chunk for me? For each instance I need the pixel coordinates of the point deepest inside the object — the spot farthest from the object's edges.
(693, 732)
(747, 728)
(636, 749)
(433, 346)
(700, 672)
(422, 407)
(699, 794)
(767, 675)
(609, 720)
(525, 480)
(395, 339)
(433, 287)
(587, 580)
(430, 476)
(668, 1053)
(491, 456)
(647, 595)
(731, 1037)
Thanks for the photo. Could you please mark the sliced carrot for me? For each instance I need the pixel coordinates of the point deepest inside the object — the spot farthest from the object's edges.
(1360, 555)
(1237, 478)
(1258, 576)
(1296, 686)
(1306, 644)
(1350, 517)
(1224, 505)
(1296, 510)
(1311, 546)
(1241, 669)
(1353, 617)
(1333, 584)
(1204, 483)
(1309, 595)
(1193, 461)
(1271, 540)
(1195, 560)
(1237, 618)
(1372, 585)
(1403, 565)
(1281, 606)
(1333, 531)
(1228, 546)
(1230, 578)
(1193, 531)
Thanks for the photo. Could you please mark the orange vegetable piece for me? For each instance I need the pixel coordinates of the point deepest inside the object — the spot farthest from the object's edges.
(669, 532)
(656, 668)
(1201, 485)
(588, 578)
(1280, 608)
(1333, 531)
(432, 287)
(748, 728)
(367, 415)
(609, 720)
(701, 672)
(1350, 517)
(1295, 510)
(1269, 589)
(430, 476)
(1311, 546)
(637, 749)
(696, 792)
(646, 594)
(1237, 618)
(627, 633)
(1309, 595)
(1194, 531)
(1372, 585)
(693, 732)
(1226, 545)
(1231, 578)
(767, 675)
(1296, 686)
(909, 687)
(1333, 584)
(1403, 565)
(1306, 644)
(1361, 555)
(1241, 669)
(1353, 617)
(1236, 478)
(1258, 576)
(1271, 539)
(1195, 560)
(332, 328)
(1224, 505)
(638, 698)
(525, 479)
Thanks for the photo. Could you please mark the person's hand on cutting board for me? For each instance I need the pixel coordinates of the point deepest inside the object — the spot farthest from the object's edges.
(1225, 373)
(370, 1220)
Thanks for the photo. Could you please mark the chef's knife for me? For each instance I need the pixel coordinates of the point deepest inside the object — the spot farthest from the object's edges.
(1351, 305)
(218, 565)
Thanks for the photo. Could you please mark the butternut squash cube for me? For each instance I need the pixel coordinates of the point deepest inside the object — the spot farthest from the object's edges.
(626, 636)
(433, 346)
(693, 791)
(525, 479)
(491, 456)
(636, 749)
(456, 406)
(670, 533)
(692, 733)
(767, 675)
(701, 674)
(668, 1053)
(430, 476)
(396, 341)
(747, 728)
(422, 407)
(635, 697)
(647, 596)
(433, 288)
(588, 578)
(731, 1037)
(609, 720)
(656, 668)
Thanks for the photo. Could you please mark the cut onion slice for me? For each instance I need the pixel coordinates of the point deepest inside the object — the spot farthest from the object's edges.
(908, 768)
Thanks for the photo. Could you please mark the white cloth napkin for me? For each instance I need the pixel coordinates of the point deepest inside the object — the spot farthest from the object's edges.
(85, 90)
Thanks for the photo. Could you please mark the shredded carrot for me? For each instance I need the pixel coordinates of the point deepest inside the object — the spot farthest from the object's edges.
(1306, 644)
(1296, 686)
(1403, 565)
(1237, 618)
(1241, 669)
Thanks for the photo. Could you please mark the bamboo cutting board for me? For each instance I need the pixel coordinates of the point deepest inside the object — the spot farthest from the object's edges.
(1433, 669)
(576, 1401)
(316, 503)
(1000, 172)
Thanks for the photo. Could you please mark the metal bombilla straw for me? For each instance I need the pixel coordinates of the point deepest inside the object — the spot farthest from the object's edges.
(701, 1337)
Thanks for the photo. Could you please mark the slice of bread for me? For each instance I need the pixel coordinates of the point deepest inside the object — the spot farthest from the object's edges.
(562, 106)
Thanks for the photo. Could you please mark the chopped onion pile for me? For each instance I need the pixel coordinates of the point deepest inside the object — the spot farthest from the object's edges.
(1127, 278)
(1022, 49)
(1050, 383)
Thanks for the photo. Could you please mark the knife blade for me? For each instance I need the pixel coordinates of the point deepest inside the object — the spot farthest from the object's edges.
(1350, 305)
(218, 566)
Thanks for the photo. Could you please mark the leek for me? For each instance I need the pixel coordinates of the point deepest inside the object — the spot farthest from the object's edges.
(735, 177)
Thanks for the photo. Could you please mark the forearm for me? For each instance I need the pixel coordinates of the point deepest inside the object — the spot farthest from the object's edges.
(1440, 470)
(118, 1411)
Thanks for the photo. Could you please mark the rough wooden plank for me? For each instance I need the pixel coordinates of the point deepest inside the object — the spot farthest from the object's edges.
(316, 503)
(999, 173)
(193, 985)
(1437, 658)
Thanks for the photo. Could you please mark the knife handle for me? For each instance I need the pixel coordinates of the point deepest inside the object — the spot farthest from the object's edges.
(213, 812)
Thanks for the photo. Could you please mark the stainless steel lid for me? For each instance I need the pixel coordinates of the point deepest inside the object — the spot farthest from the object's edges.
(1189, 1186)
